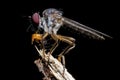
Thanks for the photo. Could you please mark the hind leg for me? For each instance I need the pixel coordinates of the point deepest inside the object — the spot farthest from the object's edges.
(70, 41)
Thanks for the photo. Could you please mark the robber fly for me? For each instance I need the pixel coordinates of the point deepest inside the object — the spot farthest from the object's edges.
(52, 20)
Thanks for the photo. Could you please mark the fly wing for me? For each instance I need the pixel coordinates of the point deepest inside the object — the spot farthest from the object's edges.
(84, 29)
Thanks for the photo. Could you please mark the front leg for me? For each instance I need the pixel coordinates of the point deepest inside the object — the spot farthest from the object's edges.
(39, 39)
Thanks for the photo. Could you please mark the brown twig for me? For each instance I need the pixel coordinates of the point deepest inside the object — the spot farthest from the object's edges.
(53, 68)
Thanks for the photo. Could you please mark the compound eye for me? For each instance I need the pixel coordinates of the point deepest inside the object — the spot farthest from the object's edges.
(36, 18)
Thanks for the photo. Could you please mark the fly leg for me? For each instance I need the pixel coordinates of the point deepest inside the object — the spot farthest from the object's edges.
(43, 47)
(71, 42)
(55, 45)
(38, 38)
(63, 61)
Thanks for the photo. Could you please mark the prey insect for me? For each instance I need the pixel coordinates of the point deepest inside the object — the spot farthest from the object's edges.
(51, 21)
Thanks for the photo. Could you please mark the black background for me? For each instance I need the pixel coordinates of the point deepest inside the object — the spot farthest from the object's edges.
(90, 59)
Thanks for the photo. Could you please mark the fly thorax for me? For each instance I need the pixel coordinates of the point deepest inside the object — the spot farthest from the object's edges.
(51, 21)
